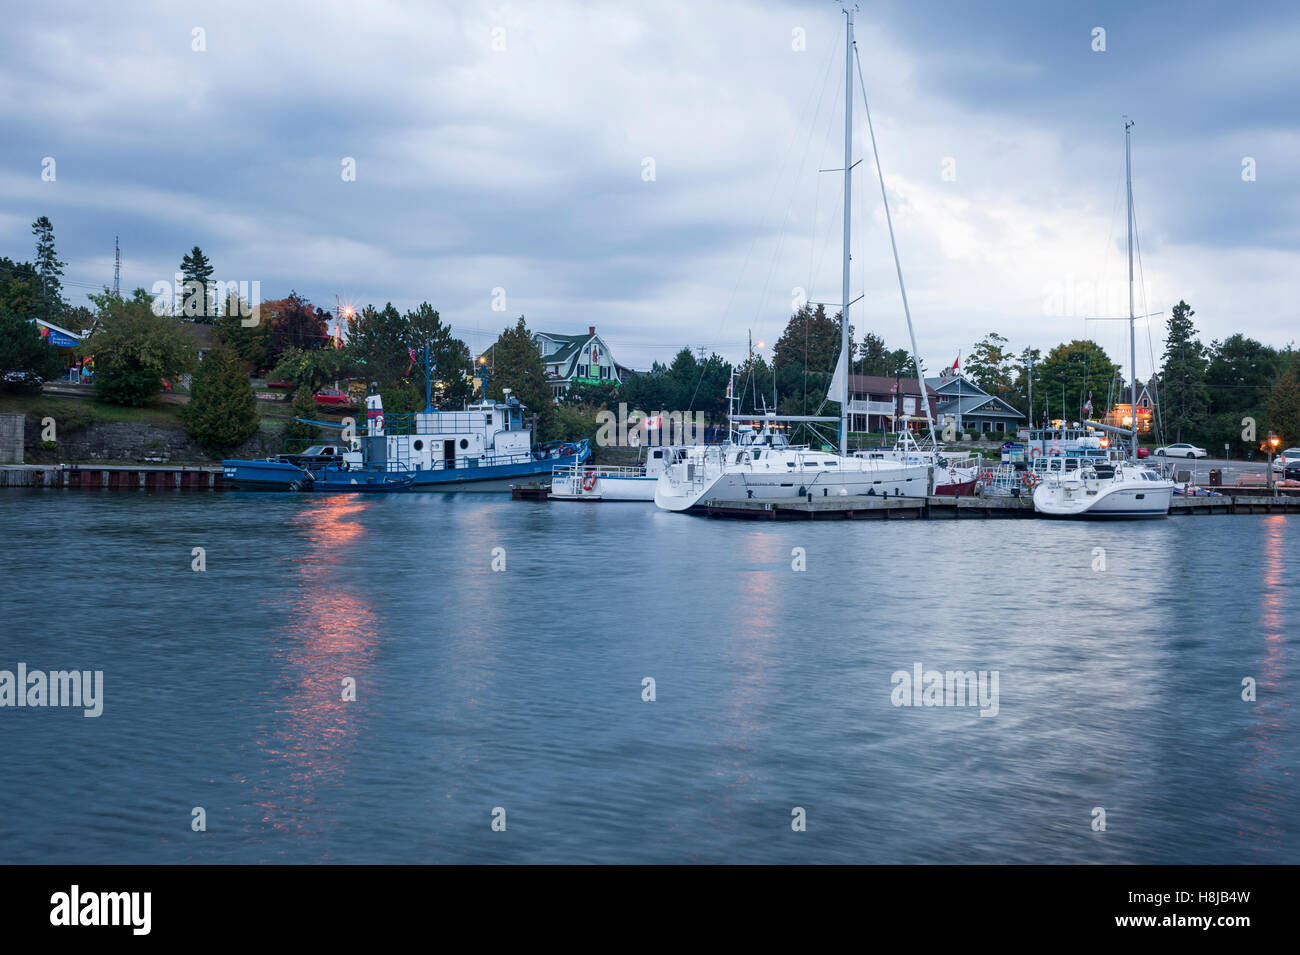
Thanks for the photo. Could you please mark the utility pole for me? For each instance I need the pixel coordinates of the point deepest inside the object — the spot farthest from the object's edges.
(1031, 392)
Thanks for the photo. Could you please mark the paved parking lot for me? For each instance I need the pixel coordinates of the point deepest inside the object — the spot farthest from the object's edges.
(1201, 468)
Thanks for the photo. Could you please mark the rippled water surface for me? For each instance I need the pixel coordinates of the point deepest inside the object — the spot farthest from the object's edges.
(1118, 688)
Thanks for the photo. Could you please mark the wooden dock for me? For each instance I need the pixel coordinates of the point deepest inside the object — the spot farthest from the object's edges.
(112, 477)
(902, 508)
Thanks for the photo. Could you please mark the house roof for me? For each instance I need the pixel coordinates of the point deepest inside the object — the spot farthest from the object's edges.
(957, 382)
(880, 384)
(980, 404)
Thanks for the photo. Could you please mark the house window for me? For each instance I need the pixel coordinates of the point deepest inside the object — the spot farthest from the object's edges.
(604, 371)
(582, 371)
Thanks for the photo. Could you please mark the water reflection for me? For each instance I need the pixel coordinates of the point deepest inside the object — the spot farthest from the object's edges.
(1262, 799)
(328, 634)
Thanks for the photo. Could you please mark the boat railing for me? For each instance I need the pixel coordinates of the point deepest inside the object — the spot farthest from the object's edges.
(570, 470)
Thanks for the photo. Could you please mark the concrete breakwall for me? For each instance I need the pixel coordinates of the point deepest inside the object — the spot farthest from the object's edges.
(121, 442)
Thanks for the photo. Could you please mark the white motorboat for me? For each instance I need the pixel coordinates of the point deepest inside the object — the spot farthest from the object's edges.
(762, 466)
(598, 483)
(1098, 488)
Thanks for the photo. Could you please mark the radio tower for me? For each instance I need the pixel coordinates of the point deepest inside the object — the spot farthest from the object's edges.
(117, 268)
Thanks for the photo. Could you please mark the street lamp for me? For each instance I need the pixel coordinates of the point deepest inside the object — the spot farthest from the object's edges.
(1271, 446)
(484, 375)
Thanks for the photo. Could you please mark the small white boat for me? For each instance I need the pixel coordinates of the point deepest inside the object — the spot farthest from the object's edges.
(1085, 487)
(596, 483)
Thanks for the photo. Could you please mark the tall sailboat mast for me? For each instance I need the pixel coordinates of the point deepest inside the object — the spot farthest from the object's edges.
(848, 196)
(1132, 321)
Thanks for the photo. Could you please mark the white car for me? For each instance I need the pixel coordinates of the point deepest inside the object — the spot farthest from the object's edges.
(1285, 459)
(1181, 451)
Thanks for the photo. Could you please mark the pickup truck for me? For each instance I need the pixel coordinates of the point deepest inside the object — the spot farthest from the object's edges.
(319, 455)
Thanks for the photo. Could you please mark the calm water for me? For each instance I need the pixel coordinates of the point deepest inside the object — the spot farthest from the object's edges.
(522, 689)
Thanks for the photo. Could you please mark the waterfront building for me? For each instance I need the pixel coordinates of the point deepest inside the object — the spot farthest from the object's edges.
(882, 404)
(1121, 413)
(971, 407)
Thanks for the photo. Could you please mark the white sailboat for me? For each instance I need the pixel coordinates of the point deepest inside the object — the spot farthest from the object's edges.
(1093, 486)
(759, 463)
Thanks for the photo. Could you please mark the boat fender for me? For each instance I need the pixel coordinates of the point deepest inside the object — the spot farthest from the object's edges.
(589, 480)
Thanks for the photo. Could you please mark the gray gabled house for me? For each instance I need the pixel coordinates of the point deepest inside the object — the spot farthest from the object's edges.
(971, 407)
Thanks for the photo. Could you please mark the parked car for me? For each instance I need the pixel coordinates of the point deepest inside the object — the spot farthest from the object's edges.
(1181, 451)
(1283, 460)
(1144, 453)
(281, 385)
(331, 396)
(1292, 472)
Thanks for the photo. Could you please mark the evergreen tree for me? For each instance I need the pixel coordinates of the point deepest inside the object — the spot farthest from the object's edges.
(1184, 398)
(222, 412)
(874, 358)
(197, 305)
(26, 359)
(448, 355)
(300, 433)
(49, 272)
(517, 365)
(20, 286)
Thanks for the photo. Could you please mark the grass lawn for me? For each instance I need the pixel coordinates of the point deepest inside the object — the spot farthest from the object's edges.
(72, 413)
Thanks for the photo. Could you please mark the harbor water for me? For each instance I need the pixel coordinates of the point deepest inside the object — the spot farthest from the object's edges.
(501, 656)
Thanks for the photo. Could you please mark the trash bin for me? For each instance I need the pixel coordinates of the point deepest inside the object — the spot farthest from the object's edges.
(1216, 477)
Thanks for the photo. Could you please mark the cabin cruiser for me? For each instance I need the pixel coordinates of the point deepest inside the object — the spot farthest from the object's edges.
(764, 466)
(1098, 486)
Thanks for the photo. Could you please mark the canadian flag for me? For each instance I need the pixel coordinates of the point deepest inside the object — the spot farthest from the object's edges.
(955, 363)
(652, 424)
(1087, 405)
(412, 364)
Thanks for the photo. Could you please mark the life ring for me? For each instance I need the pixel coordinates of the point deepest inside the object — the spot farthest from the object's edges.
(1035, 451)
(589, 481)
(1055, 451)
(1030, 479)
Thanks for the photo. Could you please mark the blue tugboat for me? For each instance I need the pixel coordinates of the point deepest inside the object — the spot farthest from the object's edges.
(486, 447)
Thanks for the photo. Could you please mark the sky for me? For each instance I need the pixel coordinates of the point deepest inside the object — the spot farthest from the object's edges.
(654, 169)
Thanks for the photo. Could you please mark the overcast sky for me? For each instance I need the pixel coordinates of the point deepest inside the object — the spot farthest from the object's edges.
(506, 145)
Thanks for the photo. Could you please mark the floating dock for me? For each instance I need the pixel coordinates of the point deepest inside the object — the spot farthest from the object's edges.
(112, 477)
(902, 508)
